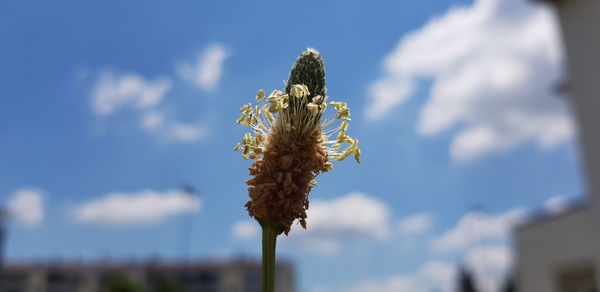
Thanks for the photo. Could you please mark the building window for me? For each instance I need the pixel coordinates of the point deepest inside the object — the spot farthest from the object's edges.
(581, 278)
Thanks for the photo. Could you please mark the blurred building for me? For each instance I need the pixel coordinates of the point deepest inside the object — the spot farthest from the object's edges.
(2, 239)
(561, 253)
(223, 276)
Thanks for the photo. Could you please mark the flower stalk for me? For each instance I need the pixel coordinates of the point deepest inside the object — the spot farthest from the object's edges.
(293, 139)
(269, 242)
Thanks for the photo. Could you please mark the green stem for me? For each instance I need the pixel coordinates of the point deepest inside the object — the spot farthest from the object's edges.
(269, 241)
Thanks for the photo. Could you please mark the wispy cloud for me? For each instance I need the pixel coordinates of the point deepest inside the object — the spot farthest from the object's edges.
(477, 227)
(114, 91)
(394, 284)
(170, 130)
(415, 224)
(246, 229)
(499, 91)
(490, 265)
(152, 120)
(431, 276)
(556, 205)
(26, 206)
(206, 70)
(471, 237)
(480, 238)
(141, 207)
(186, 132)
(331, 222)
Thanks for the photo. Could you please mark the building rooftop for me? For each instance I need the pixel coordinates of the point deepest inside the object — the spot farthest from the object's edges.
(542, 215)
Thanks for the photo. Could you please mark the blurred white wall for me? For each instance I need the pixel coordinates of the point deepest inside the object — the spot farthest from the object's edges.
(562, 253)
(557, 246)
(580, 24)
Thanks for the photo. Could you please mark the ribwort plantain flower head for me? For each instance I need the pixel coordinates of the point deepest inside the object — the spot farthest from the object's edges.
(295, 135)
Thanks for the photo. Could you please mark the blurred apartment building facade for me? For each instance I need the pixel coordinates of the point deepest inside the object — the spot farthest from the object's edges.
(561, 253)
(221, 276)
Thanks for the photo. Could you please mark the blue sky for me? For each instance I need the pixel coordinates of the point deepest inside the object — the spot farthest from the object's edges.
(107, 109)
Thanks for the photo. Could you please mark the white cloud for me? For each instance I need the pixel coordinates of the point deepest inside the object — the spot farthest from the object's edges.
(354, 216)
(206, 71)
(437, 275)
(158, 123)
(556, 205)
(490, 266)
(114, 91)
(432, 276)
(476, 227)
(394, 284)
(186, 132)
(27, 206)
(246, 229)
(354, 213)
(386, 94)
(152, 120)
(490, 263)
(141, 207)
(415, 224)
(494, 66)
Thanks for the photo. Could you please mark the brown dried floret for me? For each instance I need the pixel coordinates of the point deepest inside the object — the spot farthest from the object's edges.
(282, 178)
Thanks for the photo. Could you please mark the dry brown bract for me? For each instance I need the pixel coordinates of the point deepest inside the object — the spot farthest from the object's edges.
(283, 176)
